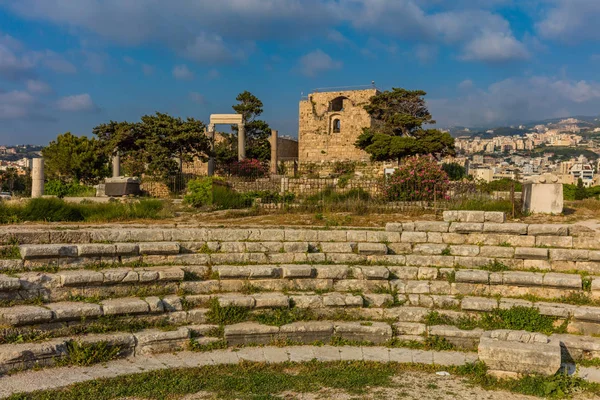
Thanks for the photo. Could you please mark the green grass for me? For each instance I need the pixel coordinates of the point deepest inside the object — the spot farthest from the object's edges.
(495, 266)
(226, 315)
(57, 210)
(84, 354)
(268, 381)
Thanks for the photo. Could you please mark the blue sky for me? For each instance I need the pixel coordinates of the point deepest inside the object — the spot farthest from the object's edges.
(68, 65)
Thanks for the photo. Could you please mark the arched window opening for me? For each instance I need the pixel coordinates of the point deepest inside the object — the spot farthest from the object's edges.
(336, 126)
(337, 104)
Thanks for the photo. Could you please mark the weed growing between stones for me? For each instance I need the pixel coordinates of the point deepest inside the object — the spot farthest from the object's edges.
(84, 354)
(495, 266)
(226, 315)
(11, 250)
(283, 316)
(194, 345)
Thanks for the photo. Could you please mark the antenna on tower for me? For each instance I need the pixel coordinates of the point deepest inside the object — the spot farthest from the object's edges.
(373, 83)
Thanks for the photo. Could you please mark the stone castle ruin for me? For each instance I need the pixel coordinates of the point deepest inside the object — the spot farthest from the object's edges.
(330, 123)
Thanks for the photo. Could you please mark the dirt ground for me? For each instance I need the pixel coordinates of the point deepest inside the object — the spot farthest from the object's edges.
(408, 386)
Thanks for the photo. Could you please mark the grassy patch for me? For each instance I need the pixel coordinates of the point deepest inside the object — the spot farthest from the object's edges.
(263, 381)
(57, 210)
(279, 317)
(84, 354)
(495, 266)
(226, 315)
(11, 251)
(194, 345)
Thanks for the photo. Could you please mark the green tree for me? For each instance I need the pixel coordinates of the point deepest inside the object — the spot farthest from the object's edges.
(397, 131)
(154, 145)
(455, 171)
(257, 131)
(75, 159)
(580, 193)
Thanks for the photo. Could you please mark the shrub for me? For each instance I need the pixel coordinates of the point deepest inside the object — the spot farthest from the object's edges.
(250, 168)
(84, 354)
(344, 168)
(199, 192)
(63, 189)
(455, 171)
(417, 179)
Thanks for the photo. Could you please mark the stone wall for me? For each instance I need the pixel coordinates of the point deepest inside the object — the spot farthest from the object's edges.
(317, 136)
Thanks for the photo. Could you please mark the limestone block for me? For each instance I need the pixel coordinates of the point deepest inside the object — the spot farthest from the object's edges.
(576, 347)
(189, 235)
(71, 311)
(416, 287)
(586, 242)
(8, 283)
(307, 301)
(428, 261)
(472, 276)
(495, 216)
(233, 247)
(311, 284)
(517, 357)
(344, 258)
(271, 300)
(267, 235)
(518, 278)
(336, 247)
(246, 271)
(569, 255)
(296, 271)
(171, 303)
(87, 250)
(159, 248)
(531, 253)
(146, 235)
(27, 355)
(465, 227)
(471, 216)
(399, 248)
(378, 300)
(154, 341)
(33, 251)
(555, 309)
(295, 247)
(171, 274)
(356, 236)
(228, 234)
(548, 230)
(414, 237)
(464, 250)
(376, 354)
(24, 315)
(479, 304)
(467, 339)
(332, 236)
(472, 262)
(374, 332)
(250, 333)
(444, 301)
(496, 251)
(408, 227)
(308, 331)
(571, 281)
(371, 272)
(554, 241)
(80, 278)
(300, 235)
(545, 198)
(511, 229)
(507, 304)
(235, 300)
(372, 248)
(331, 271)
(591, 314)
(410, 328)
(382, 237)
(393, 227)
(429, 248)
(427, 273)
(406, 314)
(453, 238)
(450, 216)
(432, 226)
(404, 273)
(435, 237)
(122, 306)
(342, 300)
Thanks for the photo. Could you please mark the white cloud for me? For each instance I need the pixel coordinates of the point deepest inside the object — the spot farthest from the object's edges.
(336, 37)
(571, 21)
(197, 98)
(95, 62)
(37, 86)
(318, 61)
(211, 49)
(518, 100)
(75, 103)
(56, 62)
(495, 47)
(15, 104)
(182, 72)
(467, 84)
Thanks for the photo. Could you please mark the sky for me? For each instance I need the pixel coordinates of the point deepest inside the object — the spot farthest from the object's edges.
(69, 65)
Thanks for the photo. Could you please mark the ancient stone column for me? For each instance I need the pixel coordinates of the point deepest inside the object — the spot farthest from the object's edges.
(116, 164)
(274, 139)
(241, 142)
(37, 178)
(211, 159)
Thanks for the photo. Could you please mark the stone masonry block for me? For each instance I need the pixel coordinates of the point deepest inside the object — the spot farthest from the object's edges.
(71, 311)
(336, 247)
(518, 278)
(372, 248)
(465, 227)
(472, 276)
(548, 230)
(374, 332)
(32, 251)
(382, 237)
(159, 248)
(571, 281)
(393, 227)
(124, 306)
(495, 216)
(531, 253)
(432, 226)
(414, 237)
(554, 241)
(24, 315)
(511, 229)
(471, 216)
(479, 304)
(80, 278)
(450, 216)
(569, 255)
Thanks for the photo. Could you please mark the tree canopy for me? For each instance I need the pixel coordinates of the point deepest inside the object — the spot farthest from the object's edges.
(397, 131)
(153, 145)
(75, 158)
(257, 131)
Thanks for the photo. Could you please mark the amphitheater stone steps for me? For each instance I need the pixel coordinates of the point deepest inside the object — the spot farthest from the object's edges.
(160, 289)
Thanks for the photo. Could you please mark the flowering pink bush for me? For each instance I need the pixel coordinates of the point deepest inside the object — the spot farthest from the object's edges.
(419, 178)
(249, 167)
